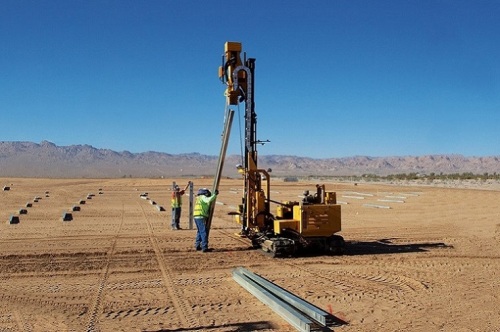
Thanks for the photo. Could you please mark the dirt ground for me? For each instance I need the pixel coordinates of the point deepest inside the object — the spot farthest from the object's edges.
(430, 262)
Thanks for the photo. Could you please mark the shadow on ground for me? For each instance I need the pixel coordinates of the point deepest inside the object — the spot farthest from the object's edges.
(240, 327)
(354, 248)
(387, 246)
(252, 326)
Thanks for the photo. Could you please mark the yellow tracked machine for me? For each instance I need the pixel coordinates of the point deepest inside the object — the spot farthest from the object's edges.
(297, 227)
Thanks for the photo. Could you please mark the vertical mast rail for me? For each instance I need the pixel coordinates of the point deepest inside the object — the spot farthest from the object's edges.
(250, 134)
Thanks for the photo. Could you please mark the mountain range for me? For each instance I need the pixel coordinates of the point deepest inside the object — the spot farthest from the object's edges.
(47, 160)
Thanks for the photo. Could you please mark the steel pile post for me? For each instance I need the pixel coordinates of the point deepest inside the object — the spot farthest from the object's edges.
(191, 205)
(222, 156)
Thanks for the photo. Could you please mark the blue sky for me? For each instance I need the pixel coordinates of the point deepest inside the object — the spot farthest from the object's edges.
(333, 78)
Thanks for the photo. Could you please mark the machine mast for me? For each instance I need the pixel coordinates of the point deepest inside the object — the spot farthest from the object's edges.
(240, 78)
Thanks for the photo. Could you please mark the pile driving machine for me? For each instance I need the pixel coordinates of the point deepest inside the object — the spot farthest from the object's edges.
(308, 225)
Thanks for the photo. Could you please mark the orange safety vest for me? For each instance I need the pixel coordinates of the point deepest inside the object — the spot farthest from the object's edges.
(177, 198)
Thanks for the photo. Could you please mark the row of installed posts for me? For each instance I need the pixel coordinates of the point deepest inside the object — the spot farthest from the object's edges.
(15, 218)
(66, 216)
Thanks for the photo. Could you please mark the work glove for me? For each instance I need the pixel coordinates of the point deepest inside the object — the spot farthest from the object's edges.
(216, 192)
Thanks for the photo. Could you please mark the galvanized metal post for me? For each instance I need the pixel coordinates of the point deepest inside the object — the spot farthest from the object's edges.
(171, 209)
(222, 156)
(191, 205)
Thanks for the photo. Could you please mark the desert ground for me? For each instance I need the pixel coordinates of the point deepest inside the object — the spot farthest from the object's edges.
(430, 261)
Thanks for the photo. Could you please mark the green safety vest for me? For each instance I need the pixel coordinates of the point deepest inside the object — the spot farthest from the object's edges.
(202, 205)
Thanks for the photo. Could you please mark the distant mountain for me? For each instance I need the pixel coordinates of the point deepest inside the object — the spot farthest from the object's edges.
(28, 159)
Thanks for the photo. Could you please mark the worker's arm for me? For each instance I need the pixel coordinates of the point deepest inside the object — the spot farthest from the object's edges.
(187, 185)
(211, 199)
(214, 196)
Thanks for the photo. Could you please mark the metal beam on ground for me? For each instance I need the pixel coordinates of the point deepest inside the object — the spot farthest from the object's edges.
(307, 308)
(391, 200)
(358, 193)
(377, 206)
(397, 197)
(291, 315)
(355, 197)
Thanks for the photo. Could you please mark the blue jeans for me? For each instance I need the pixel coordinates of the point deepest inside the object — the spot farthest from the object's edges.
(201, 236)
(176, 217)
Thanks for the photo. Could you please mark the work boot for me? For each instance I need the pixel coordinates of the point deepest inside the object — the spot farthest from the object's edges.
(207, 250)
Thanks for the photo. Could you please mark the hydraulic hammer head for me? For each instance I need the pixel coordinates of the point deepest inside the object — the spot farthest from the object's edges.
(232, 60)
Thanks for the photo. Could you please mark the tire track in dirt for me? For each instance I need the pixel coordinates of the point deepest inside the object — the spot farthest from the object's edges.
(21, 323)
(121, 314)
(352, 282)
(245, 241)
(97, 302)
(181, 306)
(355, 282)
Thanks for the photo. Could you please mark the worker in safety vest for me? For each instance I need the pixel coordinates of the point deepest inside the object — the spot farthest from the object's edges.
(176, 202)
(201, 213)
